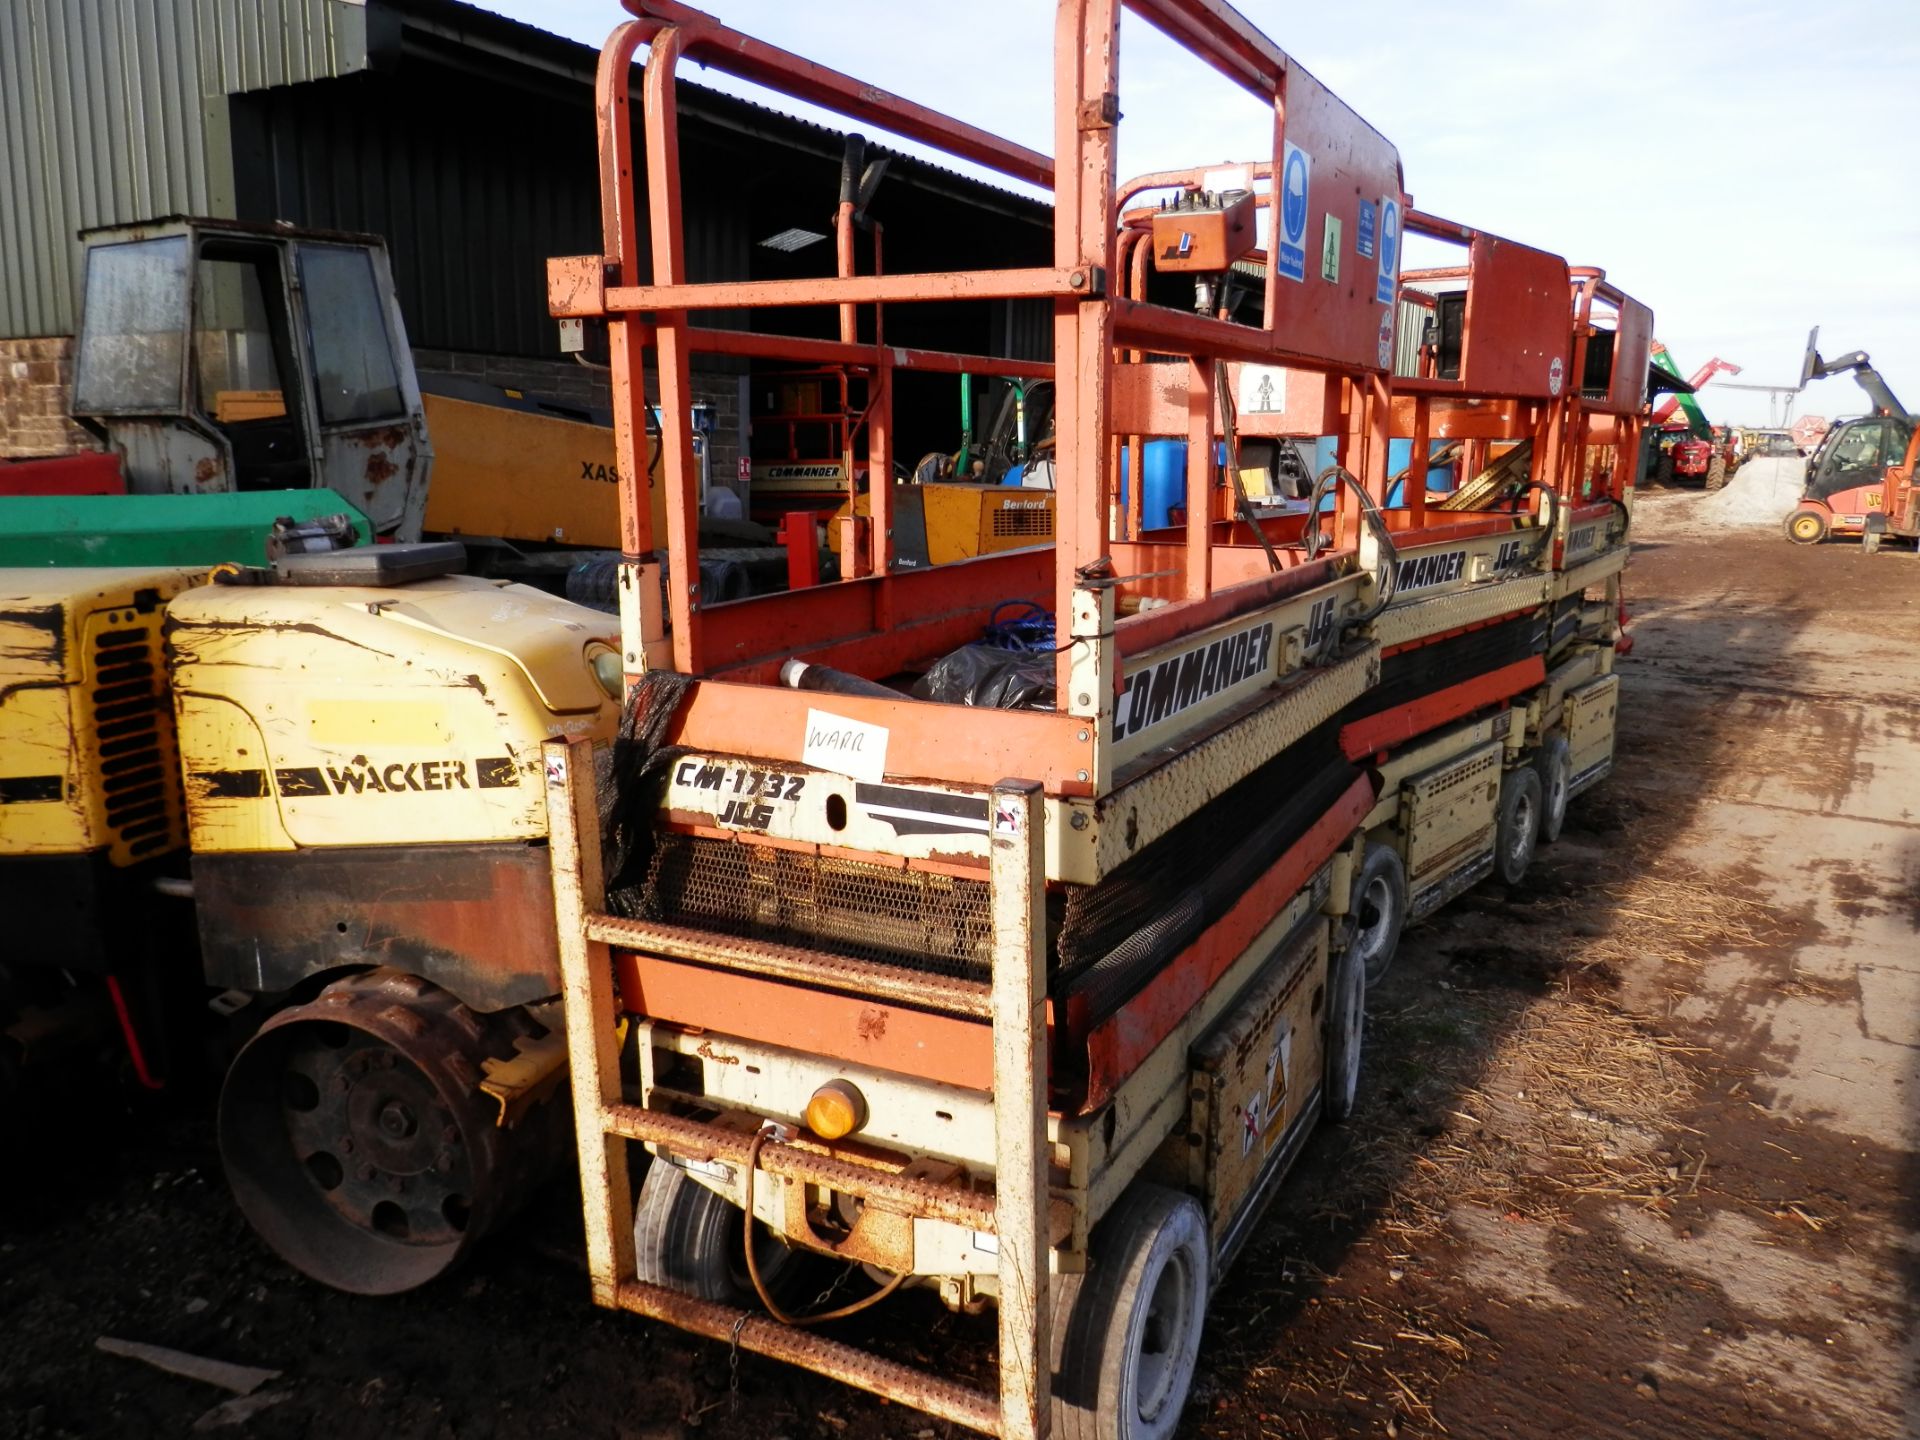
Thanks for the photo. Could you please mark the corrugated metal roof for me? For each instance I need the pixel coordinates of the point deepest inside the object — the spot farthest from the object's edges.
(486, 32)
(113, 111)
(255, 44)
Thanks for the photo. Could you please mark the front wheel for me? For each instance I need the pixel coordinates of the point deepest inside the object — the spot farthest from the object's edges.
(1126, 1335)
(1806, 527)
(1716, 473)
(687, 1238)
(1346, 1031)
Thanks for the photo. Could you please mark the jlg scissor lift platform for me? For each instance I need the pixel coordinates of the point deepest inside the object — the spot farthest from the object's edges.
(1510, 585)
(1496, 702)
(1033, 1005)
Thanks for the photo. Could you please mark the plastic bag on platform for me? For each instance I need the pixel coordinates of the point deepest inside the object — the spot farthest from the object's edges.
(991, 678)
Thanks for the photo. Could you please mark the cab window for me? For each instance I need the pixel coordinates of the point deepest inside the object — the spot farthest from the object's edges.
(1899, 438)
(236, 371)
(133, 336)
(1860, 448)
(352, 353)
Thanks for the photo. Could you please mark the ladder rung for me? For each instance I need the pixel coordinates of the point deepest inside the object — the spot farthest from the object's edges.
(847, 1363)
(908, 1194)
(789, 962)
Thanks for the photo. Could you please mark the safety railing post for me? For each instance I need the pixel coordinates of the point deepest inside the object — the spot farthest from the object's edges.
(1019, 1107)
(586, 983)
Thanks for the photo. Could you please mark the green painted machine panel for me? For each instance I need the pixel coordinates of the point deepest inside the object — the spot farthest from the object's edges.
(68, 530)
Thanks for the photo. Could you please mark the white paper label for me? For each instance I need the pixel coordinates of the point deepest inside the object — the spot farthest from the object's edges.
(846, 747)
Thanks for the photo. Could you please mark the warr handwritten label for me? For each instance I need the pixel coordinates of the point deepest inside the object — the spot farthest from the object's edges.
(846, 747)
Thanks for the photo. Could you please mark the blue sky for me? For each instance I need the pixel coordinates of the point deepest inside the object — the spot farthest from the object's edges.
(1744, 167)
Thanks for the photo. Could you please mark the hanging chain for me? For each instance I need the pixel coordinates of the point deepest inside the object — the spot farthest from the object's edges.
(733, 1367)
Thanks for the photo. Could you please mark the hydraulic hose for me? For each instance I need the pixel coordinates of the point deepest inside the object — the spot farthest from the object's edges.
(1322, 488)
(1553, 512)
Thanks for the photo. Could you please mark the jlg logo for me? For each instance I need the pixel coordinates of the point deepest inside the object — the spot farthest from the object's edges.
(1319, 625)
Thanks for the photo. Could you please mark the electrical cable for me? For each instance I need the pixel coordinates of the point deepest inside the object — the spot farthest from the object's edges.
(753, 1266)
(1029, 633)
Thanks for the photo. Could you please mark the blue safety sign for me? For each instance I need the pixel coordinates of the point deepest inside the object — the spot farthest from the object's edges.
(1364, 233)
(1296, 179)
(1389, 250)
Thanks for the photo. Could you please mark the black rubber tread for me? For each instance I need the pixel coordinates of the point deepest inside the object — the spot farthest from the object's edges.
(684, 1236)
(1337, 1103)
(687, 1238)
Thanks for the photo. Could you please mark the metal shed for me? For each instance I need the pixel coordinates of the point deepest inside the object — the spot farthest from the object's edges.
(464, 138)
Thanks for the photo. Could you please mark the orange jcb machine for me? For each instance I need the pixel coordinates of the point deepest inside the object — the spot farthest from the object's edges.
(1003, 927)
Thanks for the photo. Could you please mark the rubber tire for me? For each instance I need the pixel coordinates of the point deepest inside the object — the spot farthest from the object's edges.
(1716, 473)
(1100, 1319)
(1518, 830)
(1663, 470)
(1811, 533)
(1346, 1038)
(687, 1238)
(1381, 873)
(1554, 763)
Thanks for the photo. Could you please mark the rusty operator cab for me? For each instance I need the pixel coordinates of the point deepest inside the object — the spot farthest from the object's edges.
(215, 355)
(943, 989)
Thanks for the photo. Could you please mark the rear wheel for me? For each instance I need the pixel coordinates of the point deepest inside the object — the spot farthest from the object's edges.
(1555, 765)
(1806, 527)
(1519, 826)
(1126, 1335)
(1379, 910)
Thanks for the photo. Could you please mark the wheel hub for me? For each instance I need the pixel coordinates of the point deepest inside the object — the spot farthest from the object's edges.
(1163, 1337)
(1376, 908)
(1523, 825)
(357, 1141)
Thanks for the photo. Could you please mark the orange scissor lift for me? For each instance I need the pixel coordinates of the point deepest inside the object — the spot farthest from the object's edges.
(1495, 703)
(1031, 1006)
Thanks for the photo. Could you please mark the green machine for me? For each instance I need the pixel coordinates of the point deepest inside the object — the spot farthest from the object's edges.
(245, 527)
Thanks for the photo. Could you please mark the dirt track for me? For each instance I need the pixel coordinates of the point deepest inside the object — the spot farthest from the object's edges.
(1637, 1154)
